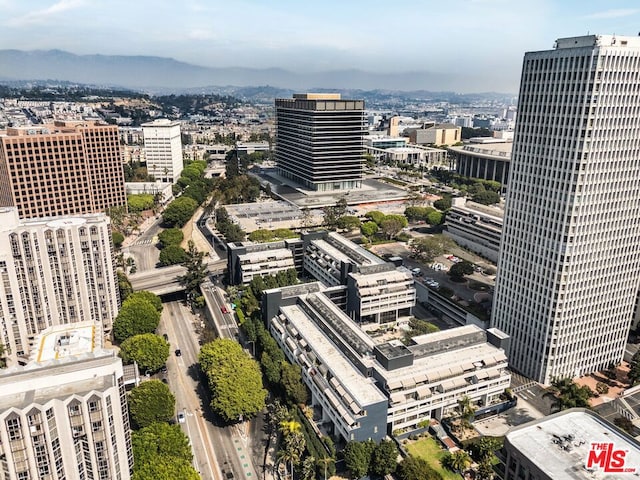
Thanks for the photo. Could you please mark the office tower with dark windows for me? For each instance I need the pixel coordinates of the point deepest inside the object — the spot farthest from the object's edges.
(320, 141)
(62, 168)
(569, 260)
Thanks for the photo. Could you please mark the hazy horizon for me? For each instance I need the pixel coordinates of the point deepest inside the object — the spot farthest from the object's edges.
(479, 42)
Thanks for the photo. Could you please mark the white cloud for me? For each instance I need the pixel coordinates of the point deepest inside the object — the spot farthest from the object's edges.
(614, 13)
(44, 14)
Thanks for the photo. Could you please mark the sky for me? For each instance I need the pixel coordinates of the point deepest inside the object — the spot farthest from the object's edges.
(482, 40)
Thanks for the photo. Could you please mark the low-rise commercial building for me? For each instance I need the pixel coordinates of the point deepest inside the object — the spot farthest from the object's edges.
(476, 227)
(573, 444)
(484, 161)
(440, 134)
(64, 415)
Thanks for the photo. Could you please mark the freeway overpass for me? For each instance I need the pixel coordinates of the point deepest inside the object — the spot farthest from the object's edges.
(164, 280)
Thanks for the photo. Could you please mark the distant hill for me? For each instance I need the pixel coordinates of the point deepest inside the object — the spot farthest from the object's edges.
(157, 73)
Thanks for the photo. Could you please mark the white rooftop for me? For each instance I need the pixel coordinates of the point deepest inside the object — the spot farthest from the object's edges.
(559, 445)
(361, 389)
(69, 340)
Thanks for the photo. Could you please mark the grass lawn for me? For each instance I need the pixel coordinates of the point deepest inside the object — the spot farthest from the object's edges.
(429, 449)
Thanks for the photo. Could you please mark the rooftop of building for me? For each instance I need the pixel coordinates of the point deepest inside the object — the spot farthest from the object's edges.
(361, 389)
(500, 150)
(493, 212)
(559, 444)
(55, 128)
(68, 340)
(622, 41)
(9, 220)
(317, 96)
(161, 122)
(275, 254)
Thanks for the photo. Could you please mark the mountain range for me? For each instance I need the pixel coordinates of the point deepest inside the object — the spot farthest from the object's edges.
(156, 73)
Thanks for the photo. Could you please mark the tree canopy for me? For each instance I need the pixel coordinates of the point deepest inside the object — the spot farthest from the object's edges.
(357, 457)
(124, 286)
(150, 402)
(136, 316)
(234, 379)
(369, 229)
(460, 269)
(165, 468)
(149, 351)
(160, 439)
(117, 239)
(179, 211)
(391, 225)
(196, 270)
(150, 297)
(172, 254)
(427, 248)
(170, 236)
(140, 201)
(416, 468)
(384, 459)
(375, 216)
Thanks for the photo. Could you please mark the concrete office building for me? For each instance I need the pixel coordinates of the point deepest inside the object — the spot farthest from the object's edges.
(569, 260)
(64, 168)
(64, 415)
(441, 134)
(163, 149)
(570, 444)
(320, 141)
(53, 271)
(485, 160)
(362, 388)
(246, 260)
(476, 227)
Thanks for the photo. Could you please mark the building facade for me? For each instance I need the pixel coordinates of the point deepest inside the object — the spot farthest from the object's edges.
(163, 149)
(569, 259)
(65, 414)
(363, 388)
(476, 227)
(320, 141)
(53, 272)
(486, 161)
(441, 134)
(64, 168)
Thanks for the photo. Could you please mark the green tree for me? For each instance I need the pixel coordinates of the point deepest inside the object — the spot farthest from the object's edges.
(459, 270)
(375, 216)
(172, 255)
(428, 248)
(385, 458)
(150, 297)
(291, 381)
(234, 379)
(602, 388)
(416, 468)
(136, 316)
(261, 235)
(634, 369)
(140, 202)
(293, 443)
(485, 470)
(124, 286)
(160, 439)
(149, 351)
(348, 222)
(357, 458)
(486, 197)
(117, 239)
(391, 225)
(458, 461)
(165, 468)
(170, 236)
(435, 218)
(368, 229)
(568, 394)
(234, 233)
(179, 211)
(196, 270)
(443, 204)
(150, 402)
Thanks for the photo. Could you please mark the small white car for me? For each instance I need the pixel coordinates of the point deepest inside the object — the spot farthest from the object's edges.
(181, 417)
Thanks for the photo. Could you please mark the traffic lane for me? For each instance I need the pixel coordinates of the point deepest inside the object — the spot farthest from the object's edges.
(181, 370)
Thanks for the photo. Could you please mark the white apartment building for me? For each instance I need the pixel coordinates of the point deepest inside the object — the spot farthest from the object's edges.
(366, 388)
(380, 294)
(53, 271)
(64, 415)
(569, 260)
(163, 149)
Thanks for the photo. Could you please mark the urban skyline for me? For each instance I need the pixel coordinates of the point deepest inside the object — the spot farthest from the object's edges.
(486, 37)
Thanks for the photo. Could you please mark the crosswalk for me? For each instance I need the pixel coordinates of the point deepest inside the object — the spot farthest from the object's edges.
(144, 241)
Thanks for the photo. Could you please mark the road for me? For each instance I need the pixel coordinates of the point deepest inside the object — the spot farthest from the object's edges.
(220, 452)
(143, 250)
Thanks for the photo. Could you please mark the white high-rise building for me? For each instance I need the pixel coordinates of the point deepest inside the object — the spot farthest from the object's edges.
(64, 415)
(163, 149)
(569, 262)
(53, 271)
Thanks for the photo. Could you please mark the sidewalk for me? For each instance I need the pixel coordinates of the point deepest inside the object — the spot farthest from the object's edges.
(131, 239)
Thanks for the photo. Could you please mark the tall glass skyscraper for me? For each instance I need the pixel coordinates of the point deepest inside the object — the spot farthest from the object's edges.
(569, 260)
